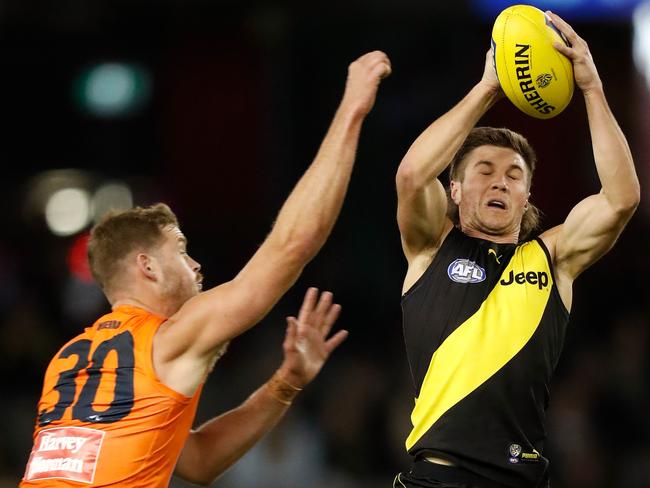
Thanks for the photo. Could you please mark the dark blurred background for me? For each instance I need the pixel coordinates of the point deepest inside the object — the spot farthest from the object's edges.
(217, 107)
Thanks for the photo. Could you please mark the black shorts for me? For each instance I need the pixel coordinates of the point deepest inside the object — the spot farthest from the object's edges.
(424, 474)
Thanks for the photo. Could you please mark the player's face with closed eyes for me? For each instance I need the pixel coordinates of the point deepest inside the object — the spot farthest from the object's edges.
(493, 193)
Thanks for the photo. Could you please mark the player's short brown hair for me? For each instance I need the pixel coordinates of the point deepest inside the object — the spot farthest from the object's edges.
(118, 234)
(500, 137)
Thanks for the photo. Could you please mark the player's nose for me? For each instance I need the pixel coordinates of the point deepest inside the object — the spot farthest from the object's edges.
(500, 183)
(195, 265)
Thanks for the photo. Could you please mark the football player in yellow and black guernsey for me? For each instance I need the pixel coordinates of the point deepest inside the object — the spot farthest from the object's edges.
(485, 308)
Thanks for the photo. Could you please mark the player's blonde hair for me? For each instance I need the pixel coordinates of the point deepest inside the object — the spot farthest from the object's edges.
(500, 137)
(118, 234)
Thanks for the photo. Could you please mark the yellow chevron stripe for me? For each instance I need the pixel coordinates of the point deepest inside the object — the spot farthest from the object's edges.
(482, 345)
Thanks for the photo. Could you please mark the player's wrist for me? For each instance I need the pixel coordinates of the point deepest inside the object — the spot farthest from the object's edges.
(489, 90)
(294, 377)
(593, 89)
(353, 110)
(281, 387)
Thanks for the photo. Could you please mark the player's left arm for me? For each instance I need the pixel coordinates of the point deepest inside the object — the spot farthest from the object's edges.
(593, 226)
(220, 442)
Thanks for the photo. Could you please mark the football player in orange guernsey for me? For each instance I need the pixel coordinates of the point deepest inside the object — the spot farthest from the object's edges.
(485, 307)
(119, 400)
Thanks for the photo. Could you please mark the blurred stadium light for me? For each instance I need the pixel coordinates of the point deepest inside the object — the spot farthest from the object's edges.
(112, 89)
(111, 196)
(71, 199)
(641, 43)
(67, 211)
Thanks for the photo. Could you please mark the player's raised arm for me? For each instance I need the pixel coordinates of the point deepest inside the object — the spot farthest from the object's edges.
(422, 203)
(212, 318)
(593, 226)
(220, 442)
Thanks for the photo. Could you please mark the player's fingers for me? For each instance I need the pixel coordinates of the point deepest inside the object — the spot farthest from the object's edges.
(290, 336)
(369, 60)
(335, 341)
(489, 59)
(331, 317)
(376, 56)
(382, 70)
(376, 62)
(324, 304)
(308, 304)
(564, 49)
(564, 27)
(385, 65)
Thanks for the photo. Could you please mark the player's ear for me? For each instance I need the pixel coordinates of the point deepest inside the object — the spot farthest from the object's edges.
(147, 265)
(454, 191)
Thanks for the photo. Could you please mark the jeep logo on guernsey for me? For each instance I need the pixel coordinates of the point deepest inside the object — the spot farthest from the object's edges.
(539, 278)
(465, 271)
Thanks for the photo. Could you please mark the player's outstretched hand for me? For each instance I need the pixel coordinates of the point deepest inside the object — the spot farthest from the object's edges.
(364, 76)
(489, 78)
(306, 347)
(584, 68)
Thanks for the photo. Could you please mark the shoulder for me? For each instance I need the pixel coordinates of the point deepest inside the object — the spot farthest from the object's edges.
(72, 345)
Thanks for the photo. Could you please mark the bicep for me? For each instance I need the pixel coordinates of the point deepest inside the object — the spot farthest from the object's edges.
(421, 216)
(589, 231)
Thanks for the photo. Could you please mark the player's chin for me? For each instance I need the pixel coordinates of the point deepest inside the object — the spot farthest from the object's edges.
(497, 224)
(191, 291)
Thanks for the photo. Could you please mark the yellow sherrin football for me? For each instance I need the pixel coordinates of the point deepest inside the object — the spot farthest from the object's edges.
(536, 77)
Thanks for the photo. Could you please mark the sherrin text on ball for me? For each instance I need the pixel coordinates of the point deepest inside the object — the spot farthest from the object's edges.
(534, 75)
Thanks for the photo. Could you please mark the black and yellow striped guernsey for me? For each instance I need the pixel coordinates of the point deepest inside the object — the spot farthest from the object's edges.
(484, 327)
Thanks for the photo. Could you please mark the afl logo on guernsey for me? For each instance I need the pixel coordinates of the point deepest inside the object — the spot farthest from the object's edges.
(465, 271)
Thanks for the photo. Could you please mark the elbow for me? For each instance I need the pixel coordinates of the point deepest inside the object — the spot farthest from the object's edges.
(206, 481)
(624, 202)
(300, 249)
(634, 203)
(202, 481)
(631, 200)
(297, 248)
(636, 196)
(195, 478)
(406, 178)
(205, 478)
(626, 206)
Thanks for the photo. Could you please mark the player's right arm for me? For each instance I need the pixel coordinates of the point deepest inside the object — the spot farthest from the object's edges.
(422, 202)
(220, 442)
(212, 318)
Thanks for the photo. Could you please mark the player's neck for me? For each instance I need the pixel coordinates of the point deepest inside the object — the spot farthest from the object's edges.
(144, 305)
(506, 238)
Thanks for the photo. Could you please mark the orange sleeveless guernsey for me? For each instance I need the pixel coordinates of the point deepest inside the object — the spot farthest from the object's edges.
(104, 417)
